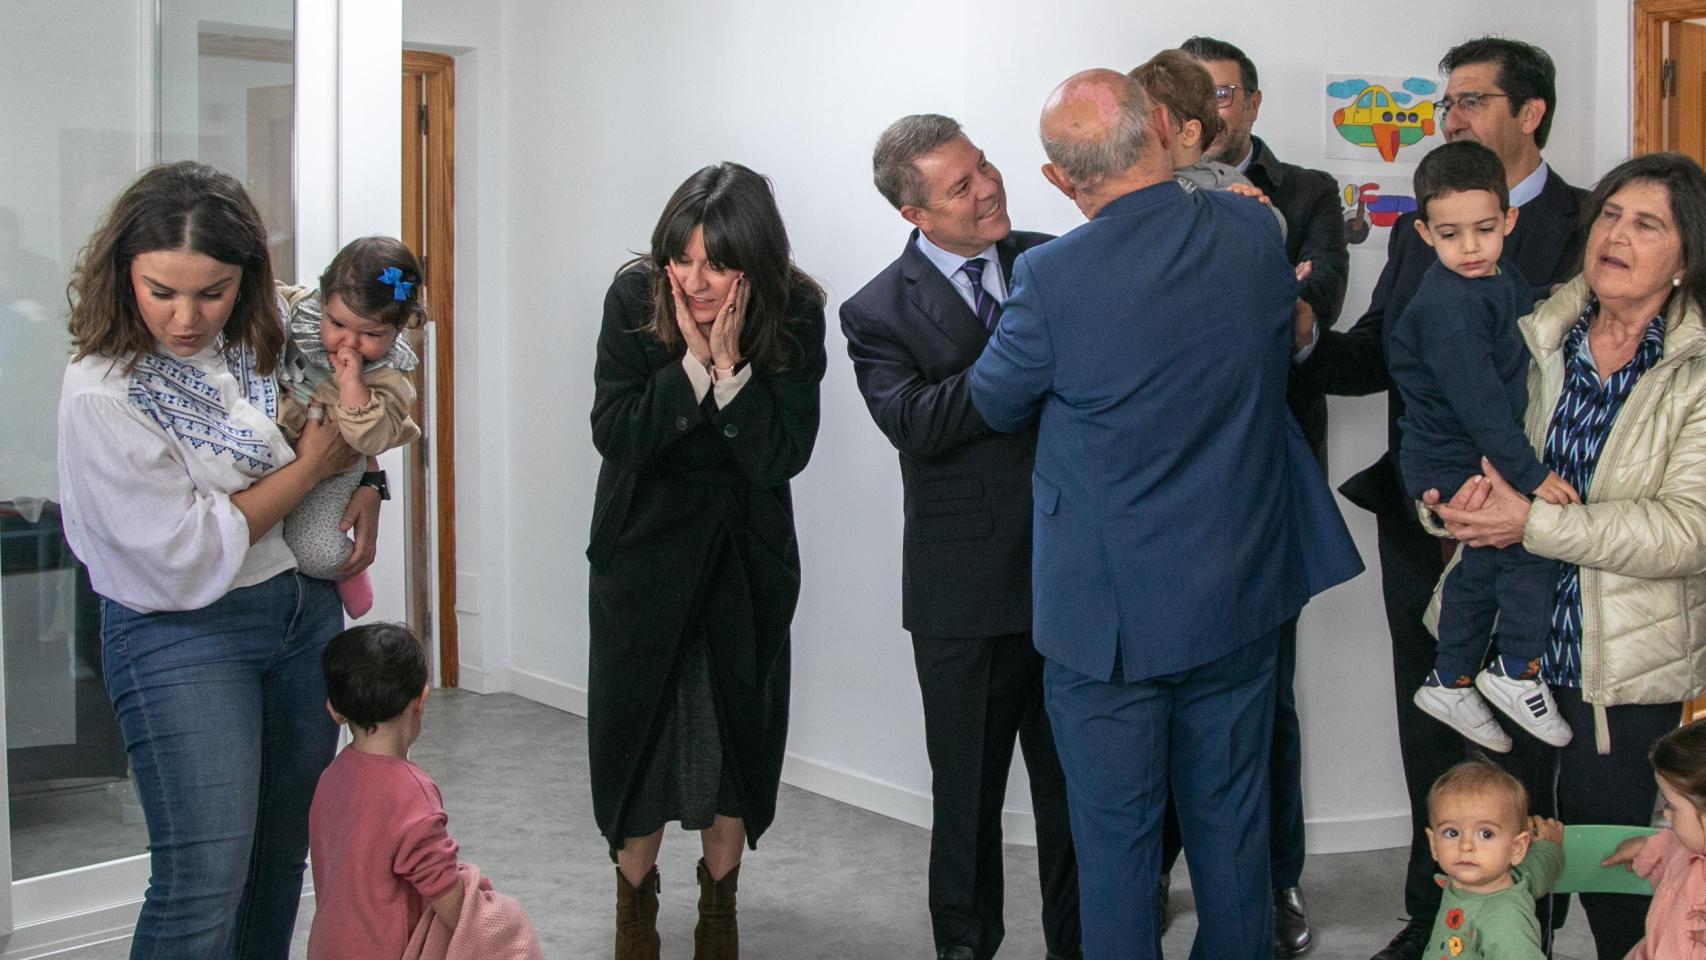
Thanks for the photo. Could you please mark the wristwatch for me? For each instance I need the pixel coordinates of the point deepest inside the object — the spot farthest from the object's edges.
(376, 480)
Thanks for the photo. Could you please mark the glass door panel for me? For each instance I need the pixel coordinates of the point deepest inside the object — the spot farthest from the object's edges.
(96, 91)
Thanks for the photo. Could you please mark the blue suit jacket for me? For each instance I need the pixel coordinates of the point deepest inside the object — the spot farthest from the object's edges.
(1178, 513)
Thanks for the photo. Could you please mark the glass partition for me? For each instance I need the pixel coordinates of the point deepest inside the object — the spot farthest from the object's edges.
(96, 91)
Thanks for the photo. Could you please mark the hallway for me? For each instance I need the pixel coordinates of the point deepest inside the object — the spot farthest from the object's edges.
(829, 882)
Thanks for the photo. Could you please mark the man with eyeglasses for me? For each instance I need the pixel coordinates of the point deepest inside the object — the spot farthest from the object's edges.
(1315, 232)
(1501, 94)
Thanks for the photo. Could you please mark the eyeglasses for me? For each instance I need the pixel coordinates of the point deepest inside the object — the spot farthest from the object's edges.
(1468, 102)
(1223, 94)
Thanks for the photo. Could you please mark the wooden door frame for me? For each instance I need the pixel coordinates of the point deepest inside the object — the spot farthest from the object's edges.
(1650, 19)
(438, 72)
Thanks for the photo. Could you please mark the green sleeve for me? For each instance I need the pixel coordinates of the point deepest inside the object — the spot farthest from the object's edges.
(1545, 861)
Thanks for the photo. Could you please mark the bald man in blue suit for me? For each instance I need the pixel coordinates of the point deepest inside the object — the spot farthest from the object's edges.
(1179, 517)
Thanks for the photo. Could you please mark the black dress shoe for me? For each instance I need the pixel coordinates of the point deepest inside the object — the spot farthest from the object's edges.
(1409, 942)
(1291, 924)
(956, 953)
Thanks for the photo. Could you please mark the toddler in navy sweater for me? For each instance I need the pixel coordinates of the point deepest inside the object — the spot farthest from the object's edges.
(1460, 363)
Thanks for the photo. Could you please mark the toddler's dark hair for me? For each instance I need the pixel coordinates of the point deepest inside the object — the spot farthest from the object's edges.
(1680, 758)
(355, 276)
(1456, 168)
(373, 672)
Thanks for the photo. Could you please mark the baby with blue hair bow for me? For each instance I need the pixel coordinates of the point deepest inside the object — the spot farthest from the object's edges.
(346, 362)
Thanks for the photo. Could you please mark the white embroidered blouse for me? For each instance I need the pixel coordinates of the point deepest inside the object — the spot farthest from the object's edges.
(147, 464)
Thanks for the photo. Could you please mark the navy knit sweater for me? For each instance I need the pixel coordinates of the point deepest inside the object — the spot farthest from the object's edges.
(1459, 361)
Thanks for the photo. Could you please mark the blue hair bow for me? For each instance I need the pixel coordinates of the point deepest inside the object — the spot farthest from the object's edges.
(399, 287)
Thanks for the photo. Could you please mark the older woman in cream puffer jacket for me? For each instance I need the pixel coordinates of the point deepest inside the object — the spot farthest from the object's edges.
(1632, 321)
(1640, 540)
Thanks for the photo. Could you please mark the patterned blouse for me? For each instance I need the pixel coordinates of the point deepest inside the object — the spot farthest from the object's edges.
(148, 461)
(1580, 424)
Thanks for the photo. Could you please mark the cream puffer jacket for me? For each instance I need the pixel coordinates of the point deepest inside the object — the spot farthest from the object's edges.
(1641, 539)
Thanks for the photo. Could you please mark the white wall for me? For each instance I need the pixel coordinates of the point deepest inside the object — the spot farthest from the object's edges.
(590, 114)
(1614, 88)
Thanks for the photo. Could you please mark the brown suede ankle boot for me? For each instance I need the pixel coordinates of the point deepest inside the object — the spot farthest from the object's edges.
(717, 937)
(637, 918)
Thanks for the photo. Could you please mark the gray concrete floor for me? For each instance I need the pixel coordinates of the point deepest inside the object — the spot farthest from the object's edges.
(829, 881)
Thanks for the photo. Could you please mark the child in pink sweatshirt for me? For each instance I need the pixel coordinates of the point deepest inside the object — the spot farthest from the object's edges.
(1674, 860)
(376, 831)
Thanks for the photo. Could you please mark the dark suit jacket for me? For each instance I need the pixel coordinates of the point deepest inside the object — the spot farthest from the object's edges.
(1314, 231)
(966, 559)
(1178, 513)
(1546, 247)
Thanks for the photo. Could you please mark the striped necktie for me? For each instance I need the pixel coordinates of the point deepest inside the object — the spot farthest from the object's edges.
(988, 308)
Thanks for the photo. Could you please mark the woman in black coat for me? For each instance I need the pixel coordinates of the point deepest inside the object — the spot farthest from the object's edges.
(709, 361)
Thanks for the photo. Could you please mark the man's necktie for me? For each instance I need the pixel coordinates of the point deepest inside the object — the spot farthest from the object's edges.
(984, 304)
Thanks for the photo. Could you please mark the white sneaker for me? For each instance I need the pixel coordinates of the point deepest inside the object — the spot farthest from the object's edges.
(1528, 702)
(1463, 710)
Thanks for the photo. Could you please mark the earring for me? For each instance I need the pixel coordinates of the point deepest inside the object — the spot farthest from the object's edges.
(1676, 281)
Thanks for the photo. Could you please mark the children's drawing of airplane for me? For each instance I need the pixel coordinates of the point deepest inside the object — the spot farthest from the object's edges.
(1376, 119)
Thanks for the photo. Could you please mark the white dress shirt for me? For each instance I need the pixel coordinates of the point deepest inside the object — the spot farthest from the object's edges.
(952, 266)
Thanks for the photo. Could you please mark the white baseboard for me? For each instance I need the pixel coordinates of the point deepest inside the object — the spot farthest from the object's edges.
(1378, 832)
(856, 789)
(475, 680)
(552, 693)
(912, 806)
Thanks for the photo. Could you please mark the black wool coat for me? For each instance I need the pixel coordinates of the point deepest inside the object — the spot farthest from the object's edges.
(693, 534)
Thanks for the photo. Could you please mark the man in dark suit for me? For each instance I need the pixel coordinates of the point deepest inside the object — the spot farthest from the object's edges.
(1499, 93)
(1315, 233)
(913, 332)
(1178, 516)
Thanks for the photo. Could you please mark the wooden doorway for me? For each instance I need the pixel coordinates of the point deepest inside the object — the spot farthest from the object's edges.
(429, 138)
(1670, 77)
(1670, 100)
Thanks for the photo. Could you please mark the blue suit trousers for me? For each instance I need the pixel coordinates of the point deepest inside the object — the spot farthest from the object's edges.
(1207, 732)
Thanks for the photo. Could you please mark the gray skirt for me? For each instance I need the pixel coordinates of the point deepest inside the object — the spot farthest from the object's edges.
(685, 778)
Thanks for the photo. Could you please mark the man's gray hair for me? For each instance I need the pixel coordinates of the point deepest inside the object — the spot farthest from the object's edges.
(1087, 162)
(894, 162)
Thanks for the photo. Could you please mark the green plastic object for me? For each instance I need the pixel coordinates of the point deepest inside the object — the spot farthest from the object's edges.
(1585, 845)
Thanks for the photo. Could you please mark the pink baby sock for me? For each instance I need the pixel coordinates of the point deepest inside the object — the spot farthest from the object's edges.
(357, 595)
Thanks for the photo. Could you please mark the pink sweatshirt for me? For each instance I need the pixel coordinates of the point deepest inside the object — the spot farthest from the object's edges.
(376, 833)
(1679, 885)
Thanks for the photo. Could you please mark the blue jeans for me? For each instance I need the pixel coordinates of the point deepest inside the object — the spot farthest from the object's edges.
(223, 712)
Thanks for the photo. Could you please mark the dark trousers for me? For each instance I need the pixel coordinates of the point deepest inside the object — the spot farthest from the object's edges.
(1577, 785)
(1510, 583)
(979, 694)
(1410, 565)
(1206, 732)
(1285, 778)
